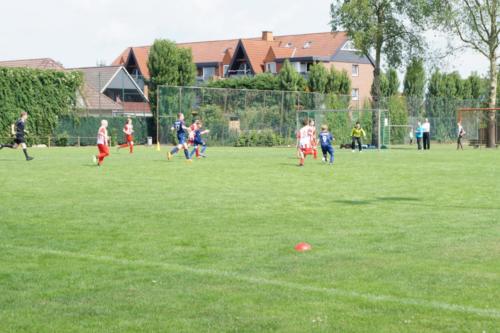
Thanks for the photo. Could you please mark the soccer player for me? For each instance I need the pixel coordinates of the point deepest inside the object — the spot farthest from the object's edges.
(18, 130)
(314, 142)
(326, 139)
(102, 143)
(460, 133)
(304, 143)
(197, 140)
(128, 130)
(357, 132)
(182, 131)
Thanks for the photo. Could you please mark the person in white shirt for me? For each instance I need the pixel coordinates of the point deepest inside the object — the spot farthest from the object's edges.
(102, 143)
(460, 134)
(427, 134)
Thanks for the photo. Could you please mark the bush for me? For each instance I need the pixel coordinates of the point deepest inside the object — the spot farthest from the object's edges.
(62, 139)
(262, 138)
(44, 94)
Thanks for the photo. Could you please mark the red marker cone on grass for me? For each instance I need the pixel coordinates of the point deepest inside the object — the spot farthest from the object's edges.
(302, 247)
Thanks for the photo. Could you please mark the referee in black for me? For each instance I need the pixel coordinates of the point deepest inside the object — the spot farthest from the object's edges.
(18, 129)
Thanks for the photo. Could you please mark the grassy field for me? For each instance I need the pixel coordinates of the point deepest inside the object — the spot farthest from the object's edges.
(403, 241)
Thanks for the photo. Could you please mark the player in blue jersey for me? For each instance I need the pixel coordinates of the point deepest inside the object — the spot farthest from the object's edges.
(182, 136)
(326, 138)
(198, 141)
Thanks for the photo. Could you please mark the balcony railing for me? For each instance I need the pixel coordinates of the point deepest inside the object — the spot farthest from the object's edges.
(239, 72)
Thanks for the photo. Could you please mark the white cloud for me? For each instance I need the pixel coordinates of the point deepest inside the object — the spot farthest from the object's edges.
(81, 32)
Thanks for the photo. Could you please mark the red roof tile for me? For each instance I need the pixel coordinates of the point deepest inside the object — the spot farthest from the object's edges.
(323, 44)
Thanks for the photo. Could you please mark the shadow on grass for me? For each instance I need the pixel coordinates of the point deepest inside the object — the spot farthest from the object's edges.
(354, 202)
(380, 199)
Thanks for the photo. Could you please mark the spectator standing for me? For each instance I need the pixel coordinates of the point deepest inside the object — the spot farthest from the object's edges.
(419, 133)
(427, 134)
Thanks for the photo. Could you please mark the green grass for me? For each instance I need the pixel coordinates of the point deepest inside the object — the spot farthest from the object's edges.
(403, 241)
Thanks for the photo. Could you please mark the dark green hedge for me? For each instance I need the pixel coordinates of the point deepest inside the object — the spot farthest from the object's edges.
(44, 94)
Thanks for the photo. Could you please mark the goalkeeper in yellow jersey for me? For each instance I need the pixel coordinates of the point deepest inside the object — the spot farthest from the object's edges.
(357, 133)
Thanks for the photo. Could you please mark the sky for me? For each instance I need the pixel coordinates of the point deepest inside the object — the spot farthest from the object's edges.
(81, 33)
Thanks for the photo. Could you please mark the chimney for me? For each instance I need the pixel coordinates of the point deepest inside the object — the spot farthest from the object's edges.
(267, 36)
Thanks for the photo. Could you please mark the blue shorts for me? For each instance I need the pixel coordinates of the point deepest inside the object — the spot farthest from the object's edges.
(198, 142)
(327, 149)
(181, 138)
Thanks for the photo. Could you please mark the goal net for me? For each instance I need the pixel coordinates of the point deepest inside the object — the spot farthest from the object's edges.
(475, 122)
(341, 122)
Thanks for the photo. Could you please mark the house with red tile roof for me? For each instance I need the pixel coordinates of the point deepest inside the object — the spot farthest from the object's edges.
(251, 56)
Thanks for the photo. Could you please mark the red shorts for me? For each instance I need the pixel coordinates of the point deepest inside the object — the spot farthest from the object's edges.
(129, 138)
(306, 151)
(103, 149)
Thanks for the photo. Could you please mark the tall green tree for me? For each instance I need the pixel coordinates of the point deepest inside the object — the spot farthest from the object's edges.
(168, 65)
(414, 81)
(186, 67)
(318, 78)
(392, 82)
(391, 28)
(289, 79)
(476, 23)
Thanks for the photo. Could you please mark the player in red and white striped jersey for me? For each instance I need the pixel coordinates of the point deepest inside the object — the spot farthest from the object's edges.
(314, 141)
(128, 130)
(102, 143)
(304, 142)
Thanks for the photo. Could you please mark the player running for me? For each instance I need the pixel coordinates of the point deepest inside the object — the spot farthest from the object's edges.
(19, 130)
(102, 143)
(314, 142)
(182, 133)
(304, 142)
(326, 138)
(128, 130)
(198, 141)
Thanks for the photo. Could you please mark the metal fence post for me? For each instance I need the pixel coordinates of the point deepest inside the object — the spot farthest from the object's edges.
(379, 128)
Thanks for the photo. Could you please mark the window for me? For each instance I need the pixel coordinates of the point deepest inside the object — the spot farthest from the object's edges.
(355, 70)
(307, 45)
(349, 46)
(208, 73)
(355, 94)
(303, 68)
(226, 68)
(288, 44)
(271, 67)
(296, 65)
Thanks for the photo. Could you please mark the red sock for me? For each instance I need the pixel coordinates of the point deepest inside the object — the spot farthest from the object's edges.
(315, 152)
(301, 161)
(197, 152)
(131, 148)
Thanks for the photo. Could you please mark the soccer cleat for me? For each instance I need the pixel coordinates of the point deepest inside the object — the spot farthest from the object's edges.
(189, 161)
(323, 159)
(94, 159)
(353, 151)
(169, 156)
(29, 158)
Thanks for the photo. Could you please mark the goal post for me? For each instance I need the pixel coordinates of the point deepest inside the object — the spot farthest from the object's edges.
(341, 122)
(477, 124)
